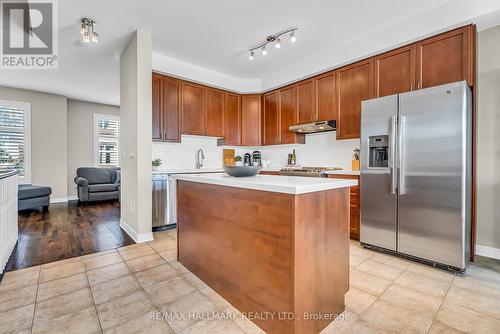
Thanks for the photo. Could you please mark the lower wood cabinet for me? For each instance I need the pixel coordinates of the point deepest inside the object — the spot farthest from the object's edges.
(251, 117)
(232, 119)
(354, 212)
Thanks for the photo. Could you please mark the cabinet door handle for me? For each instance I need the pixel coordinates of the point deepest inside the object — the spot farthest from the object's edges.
(411, 87)
(420, 85)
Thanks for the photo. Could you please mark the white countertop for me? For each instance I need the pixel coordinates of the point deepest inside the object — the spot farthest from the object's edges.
(188, 171)
(343, 172)
(280, 184)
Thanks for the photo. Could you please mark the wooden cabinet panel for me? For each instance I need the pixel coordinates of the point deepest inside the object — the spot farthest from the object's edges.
(214, 112)
(270, 119)
(193, 113)
(326, 97)
(156, 116)
(250, 120)
(446, 58)
(287, 114)
(306, 101)
(355, 84)
(232, 119)
(395, 71)
(171, 107)
(354, 213)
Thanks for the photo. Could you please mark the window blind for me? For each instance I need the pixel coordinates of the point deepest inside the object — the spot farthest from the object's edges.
(12, 138)
(108, 130)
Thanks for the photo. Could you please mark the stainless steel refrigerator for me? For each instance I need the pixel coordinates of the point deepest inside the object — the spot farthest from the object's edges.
(416, 174)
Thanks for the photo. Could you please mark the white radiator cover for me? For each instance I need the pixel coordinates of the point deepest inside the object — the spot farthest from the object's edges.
(8, 218)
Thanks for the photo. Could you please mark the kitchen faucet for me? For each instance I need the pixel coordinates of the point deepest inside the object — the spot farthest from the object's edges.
(199, 161)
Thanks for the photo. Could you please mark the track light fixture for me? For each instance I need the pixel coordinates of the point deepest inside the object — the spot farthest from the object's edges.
(87, 31)
(272, 39)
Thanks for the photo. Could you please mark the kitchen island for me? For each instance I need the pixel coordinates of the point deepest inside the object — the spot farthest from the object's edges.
(275, 247)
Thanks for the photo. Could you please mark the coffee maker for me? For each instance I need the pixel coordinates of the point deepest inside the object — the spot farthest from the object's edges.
(256, 158)
(247, 161)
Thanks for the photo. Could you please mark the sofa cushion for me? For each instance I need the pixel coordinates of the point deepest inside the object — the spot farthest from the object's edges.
(95, 175)
(30, 191)
(97, 188)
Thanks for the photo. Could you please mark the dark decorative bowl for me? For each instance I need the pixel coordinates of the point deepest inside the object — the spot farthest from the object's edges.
(241, 171)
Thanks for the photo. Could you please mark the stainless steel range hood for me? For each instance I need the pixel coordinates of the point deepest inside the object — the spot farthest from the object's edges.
(314, 127)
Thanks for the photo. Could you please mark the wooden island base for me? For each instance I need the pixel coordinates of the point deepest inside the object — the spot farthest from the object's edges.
(271, 255)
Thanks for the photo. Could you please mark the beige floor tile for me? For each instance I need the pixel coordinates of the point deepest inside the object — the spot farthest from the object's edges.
(179, 267)
(466, 320)
(342, 324)
(411, 299)
(214, 327)
(164, 234)
(367, 282)
(61, 286)
(156, 275)
(16, 320)
(188, 309)
(356, 260)
(82, 322)
(102, 261)
(379, 269)
(360, 251)
(194, 280)
(62, 270)
(169, 255)
(366, 327)
(440, 328)
(425, 284)
(487, 305)
(396, 319)
(17, 298)
(121, 309)
(169, 291)
(116, 288)
(163, 244)
(57, 263)
(391, 260)
(13, 280)
(247, 325)
(135, 251)
(145, 262)
(106, 252)
(141, 324)
(358, 301)
(56, 307)
(483, 286)
(107, 273)
(431, 272)
(218, 300)
(481, 272)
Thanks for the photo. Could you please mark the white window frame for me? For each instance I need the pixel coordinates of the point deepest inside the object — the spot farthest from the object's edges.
(96, 136)
(26, 178)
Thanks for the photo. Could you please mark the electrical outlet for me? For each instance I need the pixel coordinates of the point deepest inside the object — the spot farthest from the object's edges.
(132, 207)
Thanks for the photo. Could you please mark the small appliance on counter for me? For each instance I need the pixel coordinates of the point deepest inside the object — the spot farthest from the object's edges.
(355, 159)
(247, 160)
(256, 158)
(306, 171)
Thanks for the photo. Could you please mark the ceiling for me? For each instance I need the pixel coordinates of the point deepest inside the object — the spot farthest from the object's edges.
(215, 35)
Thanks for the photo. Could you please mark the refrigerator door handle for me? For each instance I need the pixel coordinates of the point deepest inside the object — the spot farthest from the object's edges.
(393, 168)
(401, 158)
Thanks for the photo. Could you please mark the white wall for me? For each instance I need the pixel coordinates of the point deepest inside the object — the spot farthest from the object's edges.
(488, 139)
(320, 149)
(81, 136)
(49, 162)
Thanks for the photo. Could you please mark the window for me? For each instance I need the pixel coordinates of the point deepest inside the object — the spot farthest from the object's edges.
(15, 141)
(107, 139)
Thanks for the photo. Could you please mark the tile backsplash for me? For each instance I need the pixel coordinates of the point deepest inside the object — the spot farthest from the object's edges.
(320, 149)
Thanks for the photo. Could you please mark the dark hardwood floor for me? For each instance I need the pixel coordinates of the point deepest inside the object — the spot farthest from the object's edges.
(66, 231)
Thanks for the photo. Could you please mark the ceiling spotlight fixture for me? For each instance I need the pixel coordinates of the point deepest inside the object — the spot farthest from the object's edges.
(271, 39)
(87, 31)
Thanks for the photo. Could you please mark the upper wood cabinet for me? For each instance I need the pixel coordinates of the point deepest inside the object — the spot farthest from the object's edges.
(171, 106)
(326, 97)
(250, 120)
(287, 115)
(270, 124)
(232, 119)
(157, 100)
(395, 71)
(355, 84)
(193, 105)
(446, 58)
(306, 101)
(214, 112)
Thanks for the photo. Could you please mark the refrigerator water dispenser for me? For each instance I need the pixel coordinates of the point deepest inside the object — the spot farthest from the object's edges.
(378, 151)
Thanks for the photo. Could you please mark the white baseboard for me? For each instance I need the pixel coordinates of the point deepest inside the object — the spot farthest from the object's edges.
(491, 252)
(138, 238)
(72, 198)
(58, 200)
